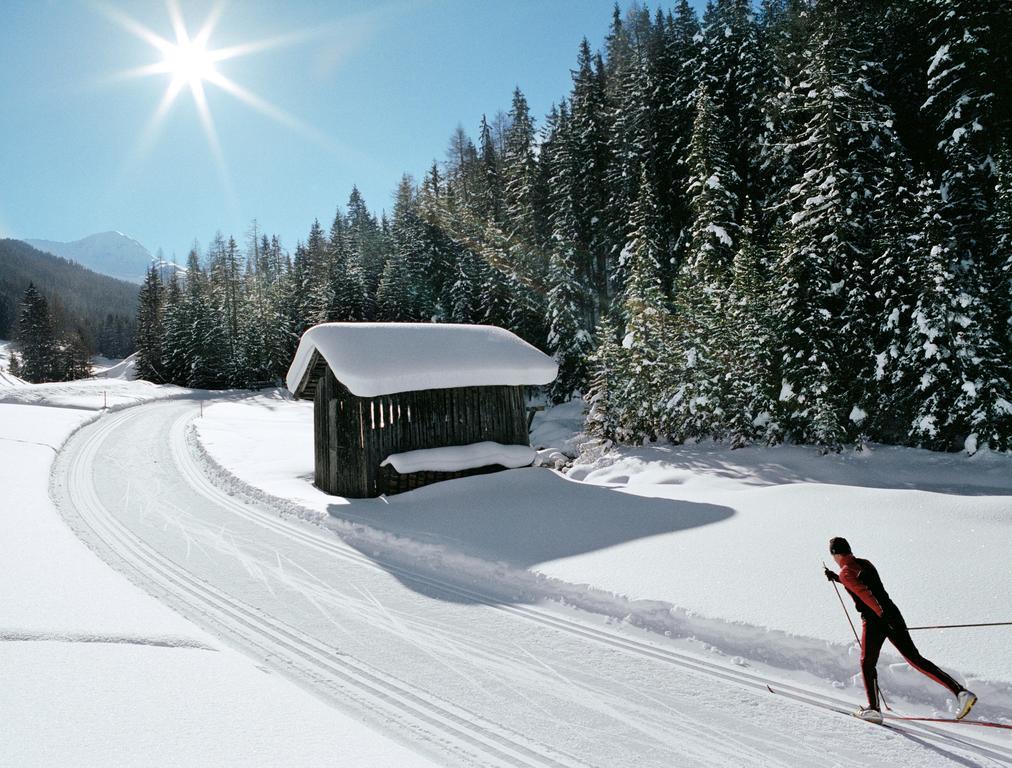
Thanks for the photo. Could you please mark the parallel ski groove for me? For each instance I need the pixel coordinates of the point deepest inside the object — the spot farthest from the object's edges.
(271, 634)
(254, 512)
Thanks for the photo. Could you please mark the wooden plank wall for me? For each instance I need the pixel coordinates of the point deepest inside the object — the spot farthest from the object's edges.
(354, 435)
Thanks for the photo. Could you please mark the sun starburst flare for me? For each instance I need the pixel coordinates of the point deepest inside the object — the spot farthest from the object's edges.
(191, 63)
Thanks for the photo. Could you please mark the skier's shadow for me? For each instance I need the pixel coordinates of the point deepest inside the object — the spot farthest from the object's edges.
(510, 520)
(955, 757)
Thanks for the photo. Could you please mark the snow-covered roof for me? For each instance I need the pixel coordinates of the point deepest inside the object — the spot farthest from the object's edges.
(373, 359)
(454, 458)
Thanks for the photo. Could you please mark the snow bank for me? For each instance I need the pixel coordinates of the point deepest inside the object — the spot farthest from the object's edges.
(91, 394)
(725, 547)
(454, 458)
(373, 359)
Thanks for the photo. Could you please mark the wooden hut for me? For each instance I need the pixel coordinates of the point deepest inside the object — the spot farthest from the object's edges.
(400, 405)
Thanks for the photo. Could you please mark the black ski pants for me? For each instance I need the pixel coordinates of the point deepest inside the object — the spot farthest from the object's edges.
(894, 628)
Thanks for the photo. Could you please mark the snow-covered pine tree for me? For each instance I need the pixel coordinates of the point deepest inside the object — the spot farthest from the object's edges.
(526, 252)
(37, 359)
(1003, 243)
(345, 285)
(895, 291)
(315, 275)
(848, 155)
(631, 127)
(568, 342)
(150, 328)
(694, 405)
(713, 194)
(647, 319)
(174, 364)
(587, 136)
(953, 361)
(609, 372)
(365, 246)
(76, 359)
(732, 72)
(678, 102)
(970, 102)
(207, 343)
(746, 351)
(393, 295)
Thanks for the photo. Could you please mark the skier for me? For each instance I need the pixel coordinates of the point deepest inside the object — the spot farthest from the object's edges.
(881, 620)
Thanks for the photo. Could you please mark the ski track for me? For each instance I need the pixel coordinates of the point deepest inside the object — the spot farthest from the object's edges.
(600, 703)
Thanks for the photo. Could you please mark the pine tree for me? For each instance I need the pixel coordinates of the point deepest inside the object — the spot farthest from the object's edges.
(345, 288)
(150, 328)
(36, 343)
(952, 361)
(76, 359)
(849, 159)
(1003, 245)
(174, 363)
(746, 350)
(647, 324)
(569, 343)
(610, 370)
(365, 246)
(712, 196)
(695, 408)
(590, 156)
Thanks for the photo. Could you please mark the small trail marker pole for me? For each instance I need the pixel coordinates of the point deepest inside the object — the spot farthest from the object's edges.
(201, 409)
(105, 404)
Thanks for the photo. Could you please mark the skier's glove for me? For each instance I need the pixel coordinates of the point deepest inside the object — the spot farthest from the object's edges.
(830, 575)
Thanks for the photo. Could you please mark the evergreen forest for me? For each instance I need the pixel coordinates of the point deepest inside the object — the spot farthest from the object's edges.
(81, 305)
(781, 221)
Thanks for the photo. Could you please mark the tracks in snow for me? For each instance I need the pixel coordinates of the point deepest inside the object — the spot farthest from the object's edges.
(471, 738)
(333, 546)
(462, 732)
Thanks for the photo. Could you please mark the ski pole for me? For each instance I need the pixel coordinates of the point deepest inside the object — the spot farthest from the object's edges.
(856, 638)
(844, 606)
(958, 626)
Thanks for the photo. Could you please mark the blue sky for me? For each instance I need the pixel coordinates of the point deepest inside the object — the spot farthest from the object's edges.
(366, 92)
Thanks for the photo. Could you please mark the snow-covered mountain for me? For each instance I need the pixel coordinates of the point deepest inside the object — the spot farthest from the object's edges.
(109, 253)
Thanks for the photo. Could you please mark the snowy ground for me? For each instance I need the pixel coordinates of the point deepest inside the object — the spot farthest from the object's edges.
(443, 626)
(97, 673)
(701, 542)
(459, 654)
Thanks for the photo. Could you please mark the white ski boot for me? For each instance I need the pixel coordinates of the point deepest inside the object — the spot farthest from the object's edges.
(964, 703)
(869, 715)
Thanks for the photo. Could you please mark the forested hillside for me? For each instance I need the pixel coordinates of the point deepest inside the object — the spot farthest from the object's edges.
(101, 308)
(784, 223)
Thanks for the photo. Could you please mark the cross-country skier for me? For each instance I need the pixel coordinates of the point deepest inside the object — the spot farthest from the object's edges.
(881, 620)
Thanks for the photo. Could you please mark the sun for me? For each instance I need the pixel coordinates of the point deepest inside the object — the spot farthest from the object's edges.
(190, 63)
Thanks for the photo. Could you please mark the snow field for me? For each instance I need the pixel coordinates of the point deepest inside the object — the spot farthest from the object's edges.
(692, 542)
(96, 672)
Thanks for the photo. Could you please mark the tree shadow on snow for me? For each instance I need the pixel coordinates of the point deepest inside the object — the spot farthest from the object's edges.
(518, 518)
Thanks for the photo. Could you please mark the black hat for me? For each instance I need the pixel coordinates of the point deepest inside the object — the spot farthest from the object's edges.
(839, 546)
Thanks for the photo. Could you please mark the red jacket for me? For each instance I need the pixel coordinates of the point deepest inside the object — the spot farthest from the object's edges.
(864, 585)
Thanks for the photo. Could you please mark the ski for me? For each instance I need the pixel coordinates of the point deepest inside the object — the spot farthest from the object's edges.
(983, 723)
(953, 721)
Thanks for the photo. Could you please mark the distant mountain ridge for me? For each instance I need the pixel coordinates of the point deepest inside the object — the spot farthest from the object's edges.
(108, 253)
